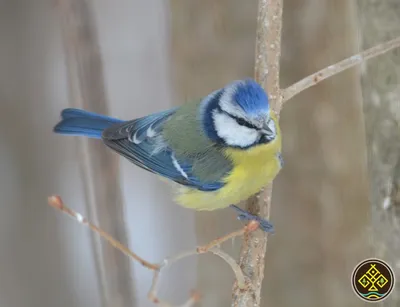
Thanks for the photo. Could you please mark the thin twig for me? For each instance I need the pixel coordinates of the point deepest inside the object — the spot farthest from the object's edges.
(268, 52)
(199, 250)
(56, 202)
(252, 226)
(240, 278)
(213, 247)
(152, 296)
(334, 69)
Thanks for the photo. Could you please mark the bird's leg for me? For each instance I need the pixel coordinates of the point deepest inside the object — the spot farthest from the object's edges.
(244, 215)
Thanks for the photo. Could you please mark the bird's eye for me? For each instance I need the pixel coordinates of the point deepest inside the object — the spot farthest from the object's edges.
(241, 122)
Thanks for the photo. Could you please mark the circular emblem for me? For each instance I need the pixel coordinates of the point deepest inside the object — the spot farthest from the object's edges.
(373, 280)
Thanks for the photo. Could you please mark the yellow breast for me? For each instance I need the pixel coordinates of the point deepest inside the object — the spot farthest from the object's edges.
(253, 169)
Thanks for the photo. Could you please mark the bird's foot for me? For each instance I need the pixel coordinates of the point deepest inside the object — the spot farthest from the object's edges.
(244, 215)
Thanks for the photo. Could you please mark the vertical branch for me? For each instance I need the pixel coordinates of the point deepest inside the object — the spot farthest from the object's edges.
(268, 51)
(99, 166)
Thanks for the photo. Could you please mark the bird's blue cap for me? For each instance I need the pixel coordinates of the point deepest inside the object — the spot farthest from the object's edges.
(251, 97)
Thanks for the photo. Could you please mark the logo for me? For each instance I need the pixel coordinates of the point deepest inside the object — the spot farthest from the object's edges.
(373, 280)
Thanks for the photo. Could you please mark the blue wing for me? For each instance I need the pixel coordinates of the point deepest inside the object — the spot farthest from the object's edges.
(141, 141)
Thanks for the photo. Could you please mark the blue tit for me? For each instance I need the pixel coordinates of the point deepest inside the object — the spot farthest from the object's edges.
(220, 149)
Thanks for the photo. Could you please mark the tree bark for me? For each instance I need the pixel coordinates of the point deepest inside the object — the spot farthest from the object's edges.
(320, 200)
(379, 21)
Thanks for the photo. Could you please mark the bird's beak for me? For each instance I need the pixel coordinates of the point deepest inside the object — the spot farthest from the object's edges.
(269, 129)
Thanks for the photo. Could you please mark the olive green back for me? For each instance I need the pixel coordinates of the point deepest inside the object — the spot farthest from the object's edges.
(184, 134)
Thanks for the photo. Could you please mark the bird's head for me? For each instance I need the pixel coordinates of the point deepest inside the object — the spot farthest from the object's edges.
(238, 115)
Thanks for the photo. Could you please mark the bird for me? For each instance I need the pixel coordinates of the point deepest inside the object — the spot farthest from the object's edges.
(217, 150)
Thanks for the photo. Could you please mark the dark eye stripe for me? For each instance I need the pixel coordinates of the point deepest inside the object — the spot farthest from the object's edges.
(240, 121)
(243, 122)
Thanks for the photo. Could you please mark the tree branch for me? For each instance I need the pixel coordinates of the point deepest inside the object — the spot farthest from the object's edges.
(268, 52)
(56, 202)
(213, 247)
(268, 49)
(334, 69)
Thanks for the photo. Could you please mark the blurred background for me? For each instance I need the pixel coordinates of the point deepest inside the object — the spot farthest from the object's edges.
(336, 202)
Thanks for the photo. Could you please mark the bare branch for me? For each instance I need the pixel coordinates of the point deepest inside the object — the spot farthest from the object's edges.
(213, 247)
(194, 297)
(268, 49)
(240, 278)
(56, 202)
(334, 69)
(268, 52)
(252, 226)
(210, 247)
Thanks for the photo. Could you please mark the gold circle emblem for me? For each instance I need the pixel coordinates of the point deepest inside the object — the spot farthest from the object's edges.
(373, 280)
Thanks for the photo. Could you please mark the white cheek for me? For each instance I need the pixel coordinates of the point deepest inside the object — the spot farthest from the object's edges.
(233, 133)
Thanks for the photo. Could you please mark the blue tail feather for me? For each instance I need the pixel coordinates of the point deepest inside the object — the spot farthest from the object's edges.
(83, 123)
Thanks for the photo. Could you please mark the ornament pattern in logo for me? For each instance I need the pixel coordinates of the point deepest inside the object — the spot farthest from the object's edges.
(373, 280)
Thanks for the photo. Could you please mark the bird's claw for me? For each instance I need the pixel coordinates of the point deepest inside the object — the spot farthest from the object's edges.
(244, 215)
